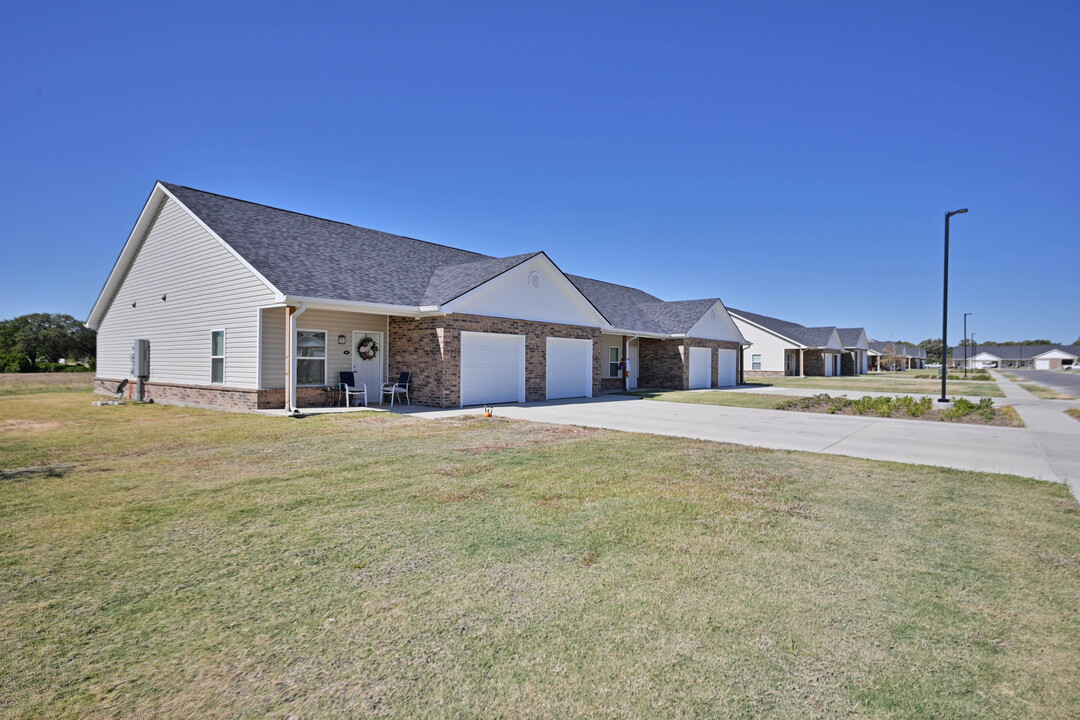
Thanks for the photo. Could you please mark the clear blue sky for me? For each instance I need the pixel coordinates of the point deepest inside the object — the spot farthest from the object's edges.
(793, 158)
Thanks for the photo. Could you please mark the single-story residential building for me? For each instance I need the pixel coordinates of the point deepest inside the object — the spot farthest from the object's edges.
(1057, 358)
(854, 361)
(780, 347)
(247, 306)
(890, 355)
(1015, 356)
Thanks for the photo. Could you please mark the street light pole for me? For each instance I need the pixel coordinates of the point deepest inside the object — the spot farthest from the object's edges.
(945, 303)
(965, 345)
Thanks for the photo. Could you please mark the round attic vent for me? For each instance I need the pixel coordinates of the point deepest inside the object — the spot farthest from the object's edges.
(535, 281)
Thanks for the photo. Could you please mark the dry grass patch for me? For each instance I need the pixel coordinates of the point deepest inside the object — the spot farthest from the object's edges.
(1075, 412)
(171, 562)
(27, 383)
(1041, 391)
(899, 384)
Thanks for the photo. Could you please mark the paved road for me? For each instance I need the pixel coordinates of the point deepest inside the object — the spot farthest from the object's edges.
(1064, 381)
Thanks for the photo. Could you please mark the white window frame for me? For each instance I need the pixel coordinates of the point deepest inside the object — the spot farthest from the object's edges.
(618, 355)
(221, 357)
(755, 361)
(324, 358)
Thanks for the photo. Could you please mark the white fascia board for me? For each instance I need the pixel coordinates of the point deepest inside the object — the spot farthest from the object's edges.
(127, 254)
(602, 322)
(1056, 353)
(608, 329)
(798, 345)
(270, 286)
(353, 306)
(724, 311)
(153, 204)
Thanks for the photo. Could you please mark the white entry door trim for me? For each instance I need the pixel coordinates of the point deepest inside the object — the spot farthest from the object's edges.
(369, 372)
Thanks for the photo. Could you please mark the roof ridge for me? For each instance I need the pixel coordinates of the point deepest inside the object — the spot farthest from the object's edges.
(323, 219)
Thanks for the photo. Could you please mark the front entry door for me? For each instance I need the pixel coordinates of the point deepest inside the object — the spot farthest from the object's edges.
(369, 372)
(633, 379)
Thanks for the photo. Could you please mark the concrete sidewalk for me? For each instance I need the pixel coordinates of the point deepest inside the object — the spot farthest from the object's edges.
(965, 447)
(1055, 434)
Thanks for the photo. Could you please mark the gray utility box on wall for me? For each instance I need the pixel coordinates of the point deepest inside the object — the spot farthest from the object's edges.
(140, 358)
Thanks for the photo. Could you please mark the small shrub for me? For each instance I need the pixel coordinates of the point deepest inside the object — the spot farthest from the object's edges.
(76, 368)
(49, 367)
(964, 407)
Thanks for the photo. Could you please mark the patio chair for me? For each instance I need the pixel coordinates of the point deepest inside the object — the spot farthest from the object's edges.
(350, 388)
(396, 388)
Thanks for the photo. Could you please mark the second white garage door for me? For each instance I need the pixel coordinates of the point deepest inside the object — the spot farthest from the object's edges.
(492, 368)
(569, 368)
(700, 368)
(725, 368)
(1043, 364)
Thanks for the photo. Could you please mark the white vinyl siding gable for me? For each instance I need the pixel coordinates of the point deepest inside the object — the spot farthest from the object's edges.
(205, 287)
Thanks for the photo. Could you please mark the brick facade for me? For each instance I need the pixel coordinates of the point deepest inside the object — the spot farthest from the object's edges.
(664, 362)
(430, 348)
(847, 364)
(220, 397)
(814, 363)
(764, 373)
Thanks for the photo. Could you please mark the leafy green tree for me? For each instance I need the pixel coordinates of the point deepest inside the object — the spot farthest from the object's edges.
(933, 350)
(46, 337)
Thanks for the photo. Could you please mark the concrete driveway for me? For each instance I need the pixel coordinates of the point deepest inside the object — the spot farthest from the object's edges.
(965, 447)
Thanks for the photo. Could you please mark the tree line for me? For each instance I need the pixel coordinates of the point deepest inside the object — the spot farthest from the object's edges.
(37, 342)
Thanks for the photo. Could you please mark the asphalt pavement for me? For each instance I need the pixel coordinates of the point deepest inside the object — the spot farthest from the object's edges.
(1064, 381)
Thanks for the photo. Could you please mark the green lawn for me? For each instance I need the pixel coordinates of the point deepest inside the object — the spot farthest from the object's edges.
(885, 383)
(171, 562)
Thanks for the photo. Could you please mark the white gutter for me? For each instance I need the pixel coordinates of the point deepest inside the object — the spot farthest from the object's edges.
(290, 400)
(353, 306)
(635, 333)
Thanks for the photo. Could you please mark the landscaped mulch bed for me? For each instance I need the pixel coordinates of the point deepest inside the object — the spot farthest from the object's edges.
(961, 411)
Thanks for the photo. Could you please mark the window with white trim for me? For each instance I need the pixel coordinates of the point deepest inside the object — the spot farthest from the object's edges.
(613, 361)
(217, 356)
(310, 357)
(755, 361)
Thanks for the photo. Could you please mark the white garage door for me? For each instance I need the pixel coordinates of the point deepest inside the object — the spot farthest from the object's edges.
(725, 368)
(700, 368)
(569, 368)
(492, 368)
(1043, 364)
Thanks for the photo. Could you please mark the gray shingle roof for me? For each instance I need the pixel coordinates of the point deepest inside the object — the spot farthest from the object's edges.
(312, 257)
(1013, 352)
(307, 256)
(450, 281)
(816, 337)
(849, 337)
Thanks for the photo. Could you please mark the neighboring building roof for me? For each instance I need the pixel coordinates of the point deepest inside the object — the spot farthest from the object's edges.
(815, 337)
(850, 336)
(1013, 352)
(894, 346)
(309, 257)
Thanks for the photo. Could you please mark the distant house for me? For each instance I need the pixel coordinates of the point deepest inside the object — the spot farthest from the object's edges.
(248, 306)
(781, 347)
(890, 355)
(1043, 357)
(1057, 358)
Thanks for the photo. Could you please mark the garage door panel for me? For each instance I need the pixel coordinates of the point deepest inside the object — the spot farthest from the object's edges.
(725, 368)
(700, 368)
(569, 368)
(492, 368)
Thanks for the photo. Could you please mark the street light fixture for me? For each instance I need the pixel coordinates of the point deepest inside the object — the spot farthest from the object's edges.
(965, 344)
(945, 301)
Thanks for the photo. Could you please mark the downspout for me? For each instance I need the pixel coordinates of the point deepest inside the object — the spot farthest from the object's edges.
(290, 400)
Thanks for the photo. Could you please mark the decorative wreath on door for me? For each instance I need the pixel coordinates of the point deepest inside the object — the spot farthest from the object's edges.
(367, 349)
